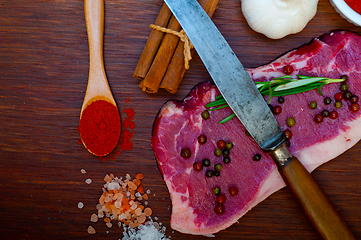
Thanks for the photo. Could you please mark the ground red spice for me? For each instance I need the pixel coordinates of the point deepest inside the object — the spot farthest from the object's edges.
(100, 127)
(126, 143)
(355, 5)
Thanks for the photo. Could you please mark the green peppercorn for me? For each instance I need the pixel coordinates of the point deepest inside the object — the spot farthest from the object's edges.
(205, 114)
(327, 100)
(257, 157)
(209, 173)
(313, 105)
(206, 162)
(185, 153)
(226, 160)
(344, 87)
(218, 167)
(216, 190)
(229, 145)
(218, 152)
(338, 104)
(290, 122)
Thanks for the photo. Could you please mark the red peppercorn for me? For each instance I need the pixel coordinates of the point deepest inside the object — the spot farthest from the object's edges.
(185, 153)
(233, 191)
(197, 166)
(355, 107)
(221, 144)
(338, 96)
(276, 110)
(221, 199)
(287, 133)
(353, 99)
(318, 118)
(219, 209)
(333, 115)
(202, 139)
(288, 69)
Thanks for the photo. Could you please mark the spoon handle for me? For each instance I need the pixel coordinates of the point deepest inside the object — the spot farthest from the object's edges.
(97, 82)
(94, 18)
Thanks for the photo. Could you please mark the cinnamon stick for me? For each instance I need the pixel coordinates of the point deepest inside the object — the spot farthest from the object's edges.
(161, 61)
(152, 44)
(154, 77)
(176, 68)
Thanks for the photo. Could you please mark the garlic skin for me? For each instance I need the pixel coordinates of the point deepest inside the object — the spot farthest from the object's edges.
(278, 18)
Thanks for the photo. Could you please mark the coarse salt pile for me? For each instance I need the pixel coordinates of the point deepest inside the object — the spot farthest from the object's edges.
(149, 231)
(121, 201)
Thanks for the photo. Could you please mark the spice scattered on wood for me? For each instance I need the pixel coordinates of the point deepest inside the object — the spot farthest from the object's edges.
(162, 64)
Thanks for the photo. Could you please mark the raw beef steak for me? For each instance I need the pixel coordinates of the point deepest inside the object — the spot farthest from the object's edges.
(179, 124)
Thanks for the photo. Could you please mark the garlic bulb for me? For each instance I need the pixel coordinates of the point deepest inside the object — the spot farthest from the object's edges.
(278, 18)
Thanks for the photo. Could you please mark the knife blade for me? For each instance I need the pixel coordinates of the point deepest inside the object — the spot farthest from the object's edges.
(243, 97)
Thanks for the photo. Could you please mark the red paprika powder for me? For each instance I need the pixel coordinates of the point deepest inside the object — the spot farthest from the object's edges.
(355, 5)
(100, 127)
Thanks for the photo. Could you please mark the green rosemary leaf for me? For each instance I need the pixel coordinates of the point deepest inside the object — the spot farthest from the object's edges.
(298, 83)
(220, 101)
(219, 97)
(228, 118)
(223, 106)
(280, 86)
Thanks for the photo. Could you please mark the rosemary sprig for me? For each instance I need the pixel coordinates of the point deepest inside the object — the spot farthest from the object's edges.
(280, 86)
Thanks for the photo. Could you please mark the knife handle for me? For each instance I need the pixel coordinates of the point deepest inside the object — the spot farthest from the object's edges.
(308, 194)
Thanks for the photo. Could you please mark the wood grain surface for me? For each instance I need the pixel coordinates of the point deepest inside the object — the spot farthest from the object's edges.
(43, 75)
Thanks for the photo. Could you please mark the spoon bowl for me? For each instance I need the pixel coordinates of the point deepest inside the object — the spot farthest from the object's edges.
(100, 124)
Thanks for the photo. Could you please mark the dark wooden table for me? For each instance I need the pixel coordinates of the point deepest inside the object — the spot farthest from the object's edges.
(43, 77)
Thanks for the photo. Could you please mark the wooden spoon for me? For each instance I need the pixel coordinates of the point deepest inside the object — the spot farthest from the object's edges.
(98, 87)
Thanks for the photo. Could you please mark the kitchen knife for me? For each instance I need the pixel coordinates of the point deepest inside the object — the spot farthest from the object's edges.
(247, 103)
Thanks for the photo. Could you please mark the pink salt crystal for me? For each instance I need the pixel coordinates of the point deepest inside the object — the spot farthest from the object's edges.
(94, 217)
(138, 211)
(142, 218)
(132, 185)
(91, 230)
(107, 178)
(148, 211)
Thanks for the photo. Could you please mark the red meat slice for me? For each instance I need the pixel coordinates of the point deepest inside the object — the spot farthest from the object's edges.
(179, 123)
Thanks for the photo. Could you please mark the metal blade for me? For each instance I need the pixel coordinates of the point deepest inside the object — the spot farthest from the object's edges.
(229, 75)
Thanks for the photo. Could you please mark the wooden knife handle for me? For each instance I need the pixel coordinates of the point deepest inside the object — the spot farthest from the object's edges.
(315, 204)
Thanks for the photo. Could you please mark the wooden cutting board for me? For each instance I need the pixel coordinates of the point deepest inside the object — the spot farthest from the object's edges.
(43, 76)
